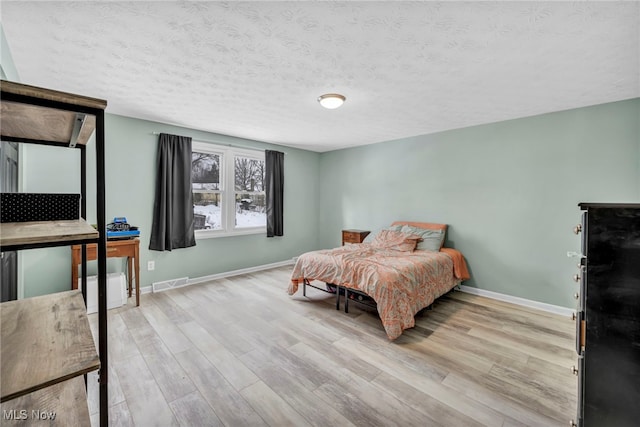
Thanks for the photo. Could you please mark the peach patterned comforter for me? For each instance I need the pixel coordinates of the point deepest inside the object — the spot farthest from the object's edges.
(401, 283)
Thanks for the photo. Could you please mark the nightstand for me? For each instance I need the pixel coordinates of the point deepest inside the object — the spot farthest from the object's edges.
(354, 236)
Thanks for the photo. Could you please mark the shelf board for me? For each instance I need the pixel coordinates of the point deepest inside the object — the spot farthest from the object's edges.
(52, 95)
(32, 122)
(45, 340)
(45, 232)
(39, 123)
(67, 401)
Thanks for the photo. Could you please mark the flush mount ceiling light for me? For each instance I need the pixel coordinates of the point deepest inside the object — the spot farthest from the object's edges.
(331, 100)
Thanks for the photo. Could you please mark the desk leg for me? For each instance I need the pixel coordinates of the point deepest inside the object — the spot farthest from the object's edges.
(129, 277)
(74, 275)
(75, 260)
(137, 261)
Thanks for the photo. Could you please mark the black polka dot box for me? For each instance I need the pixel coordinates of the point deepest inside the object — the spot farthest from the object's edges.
(24, 207)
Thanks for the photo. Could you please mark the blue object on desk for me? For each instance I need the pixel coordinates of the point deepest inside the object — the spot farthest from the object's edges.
(123, 234)
(120, 229)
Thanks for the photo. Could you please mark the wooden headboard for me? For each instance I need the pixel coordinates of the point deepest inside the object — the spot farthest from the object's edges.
(428, 225)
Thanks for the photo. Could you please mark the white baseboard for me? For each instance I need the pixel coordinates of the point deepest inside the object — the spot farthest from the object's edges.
(145, 290)
(189, 281)
(169, 284)
(556, 309)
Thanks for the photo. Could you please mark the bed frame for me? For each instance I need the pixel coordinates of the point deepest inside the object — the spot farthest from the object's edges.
(347, 291)
(339, 290)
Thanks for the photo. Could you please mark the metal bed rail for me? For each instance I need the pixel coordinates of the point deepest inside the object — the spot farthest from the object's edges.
(358, 296)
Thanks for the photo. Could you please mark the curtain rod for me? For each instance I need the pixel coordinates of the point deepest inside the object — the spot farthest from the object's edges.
(221, 143)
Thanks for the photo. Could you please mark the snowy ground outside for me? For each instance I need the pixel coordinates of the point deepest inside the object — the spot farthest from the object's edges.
(244, 218)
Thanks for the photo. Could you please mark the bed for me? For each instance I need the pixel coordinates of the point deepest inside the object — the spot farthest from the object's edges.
(403, 269)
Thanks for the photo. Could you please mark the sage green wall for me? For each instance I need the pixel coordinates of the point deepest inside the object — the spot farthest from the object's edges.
(508, 190)
(130, 176)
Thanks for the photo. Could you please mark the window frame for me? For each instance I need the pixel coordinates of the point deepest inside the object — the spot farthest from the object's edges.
(227, 188)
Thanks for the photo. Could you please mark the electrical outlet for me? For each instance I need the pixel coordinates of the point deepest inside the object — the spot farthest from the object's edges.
(151, 265)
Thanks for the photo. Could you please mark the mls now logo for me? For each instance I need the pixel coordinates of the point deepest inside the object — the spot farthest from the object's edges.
(23, 414)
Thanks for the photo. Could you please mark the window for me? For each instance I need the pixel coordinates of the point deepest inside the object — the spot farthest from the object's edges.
(228, 190)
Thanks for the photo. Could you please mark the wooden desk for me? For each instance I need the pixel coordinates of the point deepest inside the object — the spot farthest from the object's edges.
(129, 248)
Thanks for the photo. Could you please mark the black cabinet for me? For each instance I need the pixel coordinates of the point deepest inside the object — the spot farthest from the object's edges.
(608, 318)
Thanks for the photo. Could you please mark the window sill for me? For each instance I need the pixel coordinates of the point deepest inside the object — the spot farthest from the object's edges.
(212, 234)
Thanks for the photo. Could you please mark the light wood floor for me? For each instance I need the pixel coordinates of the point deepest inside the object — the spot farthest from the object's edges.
(240, 351)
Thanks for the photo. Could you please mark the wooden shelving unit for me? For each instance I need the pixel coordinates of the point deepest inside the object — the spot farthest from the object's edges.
(47, 345)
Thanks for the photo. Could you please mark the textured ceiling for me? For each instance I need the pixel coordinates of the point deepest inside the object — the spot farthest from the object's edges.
(255, 69)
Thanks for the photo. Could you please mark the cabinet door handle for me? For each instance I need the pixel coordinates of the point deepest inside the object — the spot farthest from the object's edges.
(574, 370)
(576, 295)
(577, 229)
(576, 277)
(581, 332)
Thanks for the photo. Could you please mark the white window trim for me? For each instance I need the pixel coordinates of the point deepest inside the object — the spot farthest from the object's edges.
(227, 170)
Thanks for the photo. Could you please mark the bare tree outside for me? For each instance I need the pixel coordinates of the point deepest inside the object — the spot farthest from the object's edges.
(249, 174)
(205, 171)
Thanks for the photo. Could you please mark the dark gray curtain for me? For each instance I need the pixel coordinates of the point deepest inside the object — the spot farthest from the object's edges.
(274, 189)
(173, 207)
